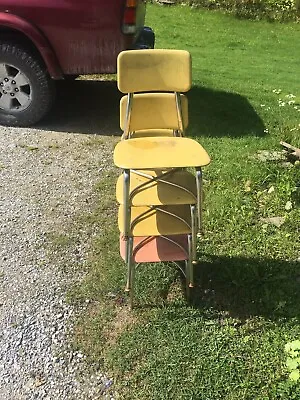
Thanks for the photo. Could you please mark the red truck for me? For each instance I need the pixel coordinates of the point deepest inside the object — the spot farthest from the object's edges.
(46, 40)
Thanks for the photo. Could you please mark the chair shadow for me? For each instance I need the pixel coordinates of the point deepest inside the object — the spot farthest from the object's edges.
(92, 107)
(83, 106)
(217, 113)
(246, 287)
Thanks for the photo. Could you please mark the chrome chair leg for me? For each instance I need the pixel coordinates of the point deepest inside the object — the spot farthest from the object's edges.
(129, 262)
(199, 198)
(187, 288)
(132, 276)
(190, 268)
(126, 199)
(127, 210)
(194, 233)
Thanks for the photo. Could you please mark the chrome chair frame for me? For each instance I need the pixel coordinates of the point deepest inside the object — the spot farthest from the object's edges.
(130, 98)
(188, 273)
(127, 198)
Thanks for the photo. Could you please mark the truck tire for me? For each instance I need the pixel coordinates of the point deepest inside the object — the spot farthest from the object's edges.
(26, 90)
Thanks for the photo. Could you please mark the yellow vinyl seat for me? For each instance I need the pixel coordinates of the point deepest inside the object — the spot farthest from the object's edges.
(160, 152)
(163, 220)
(177, 187)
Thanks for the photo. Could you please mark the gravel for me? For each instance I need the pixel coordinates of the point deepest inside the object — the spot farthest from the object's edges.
(46, 180)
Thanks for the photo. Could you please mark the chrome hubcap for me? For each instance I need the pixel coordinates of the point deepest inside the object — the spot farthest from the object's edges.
(15, 89)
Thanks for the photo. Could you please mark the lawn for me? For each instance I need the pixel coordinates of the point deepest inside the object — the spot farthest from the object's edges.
(229, 344)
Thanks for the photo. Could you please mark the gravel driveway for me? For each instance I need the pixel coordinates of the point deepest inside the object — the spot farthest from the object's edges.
(46, 180)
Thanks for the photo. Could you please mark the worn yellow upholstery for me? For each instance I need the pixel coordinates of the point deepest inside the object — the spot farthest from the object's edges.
(160, 152)
(158, 192)
(154, 111)
(154, 70)
(157, 222)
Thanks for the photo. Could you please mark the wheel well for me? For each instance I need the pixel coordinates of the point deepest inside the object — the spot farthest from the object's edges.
(20, 38)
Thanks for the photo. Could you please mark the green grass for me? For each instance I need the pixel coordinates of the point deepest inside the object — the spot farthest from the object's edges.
(230, 343)
(270, 10)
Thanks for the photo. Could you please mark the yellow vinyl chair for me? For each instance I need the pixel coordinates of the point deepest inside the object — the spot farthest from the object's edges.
(158, 197)
(158, 201)
(163, 224)
(167, 73)
(157, 234)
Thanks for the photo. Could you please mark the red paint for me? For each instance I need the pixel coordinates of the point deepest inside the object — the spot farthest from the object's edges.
(129, 16)
(73, 36)
(40, 41)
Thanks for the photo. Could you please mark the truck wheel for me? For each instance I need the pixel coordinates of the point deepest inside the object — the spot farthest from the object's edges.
(26, 90)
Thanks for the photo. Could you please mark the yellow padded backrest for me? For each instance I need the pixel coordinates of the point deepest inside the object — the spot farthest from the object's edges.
(154, 70)
(154, 111)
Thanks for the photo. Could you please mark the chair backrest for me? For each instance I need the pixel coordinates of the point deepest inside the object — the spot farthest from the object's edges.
(154, 70)
(153, 111)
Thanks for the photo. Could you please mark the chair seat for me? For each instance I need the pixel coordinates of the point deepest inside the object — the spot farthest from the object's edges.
(152, 133)
(158, 192)
(157, 222)
(160, 152)
(157, 248)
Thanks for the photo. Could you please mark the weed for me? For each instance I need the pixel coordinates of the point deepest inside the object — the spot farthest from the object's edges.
(53, 146)
(29, 147)
(293, 361)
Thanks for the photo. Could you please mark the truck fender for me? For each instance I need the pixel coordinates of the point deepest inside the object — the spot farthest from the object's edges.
(19, 24)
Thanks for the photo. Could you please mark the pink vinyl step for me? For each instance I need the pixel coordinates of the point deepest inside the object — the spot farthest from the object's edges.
(157, 248)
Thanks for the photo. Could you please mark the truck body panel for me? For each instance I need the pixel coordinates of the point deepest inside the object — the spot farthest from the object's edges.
(80, 37)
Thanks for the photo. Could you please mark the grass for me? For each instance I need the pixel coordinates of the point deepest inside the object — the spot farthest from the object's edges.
(230, 343)
(270, 10)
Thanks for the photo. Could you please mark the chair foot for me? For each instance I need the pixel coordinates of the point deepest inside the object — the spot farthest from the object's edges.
(188, 294)
(131, 303)
(130, 295)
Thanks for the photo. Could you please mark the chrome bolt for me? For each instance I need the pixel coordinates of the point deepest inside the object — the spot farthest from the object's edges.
(6, 79)
(12, 94)
(1, 84)
(13, 82)
(16, 89)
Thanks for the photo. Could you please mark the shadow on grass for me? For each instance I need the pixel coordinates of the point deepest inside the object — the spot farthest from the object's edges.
(85, 107)
(247, 287)
(217, 113)
(93, 107)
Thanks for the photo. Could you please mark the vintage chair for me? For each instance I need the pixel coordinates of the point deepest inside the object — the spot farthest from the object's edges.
(159, 198)
(166, 72)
